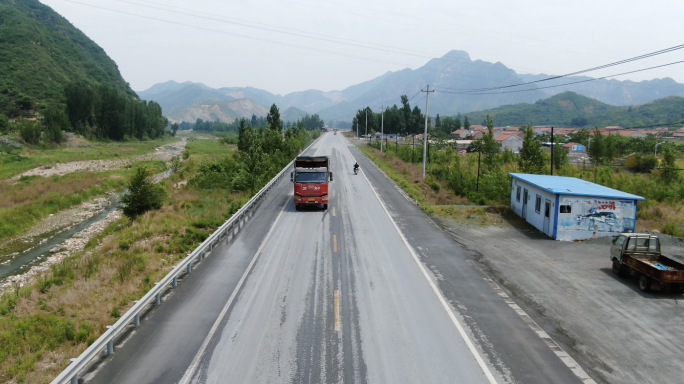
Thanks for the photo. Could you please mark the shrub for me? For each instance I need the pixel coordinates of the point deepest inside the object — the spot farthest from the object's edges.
(672, 229)
(143, 195)
(29, 131)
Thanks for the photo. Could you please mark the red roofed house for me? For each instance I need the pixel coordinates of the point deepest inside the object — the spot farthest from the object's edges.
(510, 140)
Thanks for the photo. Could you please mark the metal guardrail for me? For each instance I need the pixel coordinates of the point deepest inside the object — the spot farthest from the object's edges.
(132, 316)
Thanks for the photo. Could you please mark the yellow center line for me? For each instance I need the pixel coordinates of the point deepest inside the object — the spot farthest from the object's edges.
(333, 211)
(337, 310)
(334, 243)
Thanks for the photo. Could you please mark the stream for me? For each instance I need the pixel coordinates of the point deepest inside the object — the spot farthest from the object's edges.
(21, 263)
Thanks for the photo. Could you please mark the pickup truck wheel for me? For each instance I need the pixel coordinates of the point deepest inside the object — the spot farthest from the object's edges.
(644, 283)
(618, 268)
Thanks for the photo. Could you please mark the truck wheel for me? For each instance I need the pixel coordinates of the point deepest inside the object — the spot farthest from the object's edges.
(644, 283)
(618, 268)
(297, 207)
(325, 206)
(679, 288)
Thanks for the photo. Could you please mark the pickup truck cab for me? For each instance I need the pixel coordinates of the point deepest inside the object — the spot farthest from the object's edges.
(639, 255)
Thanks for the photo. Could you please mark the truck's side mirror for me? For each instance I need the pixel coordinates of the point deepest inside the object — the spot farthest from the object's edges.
(292, 177)
(331, 179)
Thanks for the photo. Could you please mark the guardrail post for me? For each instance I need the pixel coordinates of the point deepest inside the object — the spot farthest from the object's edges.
(110, 344)
(201, 256)
(175, 282)
(74, 379)
(136, 318)
(157, 297)
(189, 268)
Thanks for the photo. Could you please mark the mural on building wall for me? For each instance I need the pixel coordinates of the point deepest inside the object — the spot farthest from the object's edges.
(596, 215)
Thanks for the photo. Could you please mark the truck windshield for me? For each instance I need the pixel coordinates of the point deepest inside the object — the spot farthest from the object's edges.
(311, 177)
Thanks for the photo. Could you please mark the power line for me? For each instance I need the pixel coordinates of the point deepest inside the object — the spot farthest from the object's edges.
(660, 52)
(334, 39)
(242, 36)
(432, 21)
(269, 27)
(561, 85)
(429, 27)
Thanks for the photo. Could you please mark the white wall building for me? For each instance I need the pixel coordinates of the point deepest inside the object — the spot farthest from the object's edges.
(568, 208)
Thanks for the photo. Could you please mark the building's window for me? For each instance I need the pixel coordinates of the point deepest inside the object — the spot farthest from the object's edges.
(566, 209)
(517, 194)
(537, 204)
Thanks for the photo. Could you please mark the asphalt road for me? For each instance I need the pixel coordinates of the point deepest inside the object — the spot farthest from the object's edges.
(369, 291)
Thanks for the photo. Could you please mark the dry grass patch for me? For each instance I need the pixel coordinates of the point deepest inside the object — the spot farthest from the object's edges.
(471, 215)
(67, 309)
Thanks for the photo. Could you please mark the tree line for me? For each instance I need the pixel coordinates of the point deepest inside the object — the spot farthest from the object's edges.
(307, 122)
(262, 152)
(98, 112)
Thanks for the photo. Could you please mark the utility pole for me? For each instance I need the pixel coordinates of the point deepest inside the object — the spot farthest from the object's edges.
(427, 111)
(382, 125)
(552, 150)
(367, 123)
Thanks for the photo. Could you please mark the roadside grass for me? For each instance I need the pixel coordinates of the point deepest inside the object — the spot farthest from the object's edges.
(474, 215)
(30, 199)
(30, 157)
(659, 212)
(427, 193)
(208, 147)
(45, 324)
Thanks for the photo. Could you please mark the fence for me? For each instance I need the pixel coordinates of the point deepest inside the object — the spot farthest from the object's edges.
(132, 316)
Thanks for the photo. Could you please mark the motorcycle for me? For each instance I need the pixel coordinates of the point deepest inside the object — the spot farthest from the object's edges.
(356, 170)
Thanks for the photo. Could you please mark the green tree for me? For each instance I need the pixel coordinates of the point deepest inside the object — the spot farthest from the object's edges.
(489, 147)
(174, 129)
(54, 122)
(29, 131)
(143, 194)
(531, 159)
(273, 119)
(245, 133)
(4, 123)
(669, 173)
(466, 123)
(560, 156)
(596, 150)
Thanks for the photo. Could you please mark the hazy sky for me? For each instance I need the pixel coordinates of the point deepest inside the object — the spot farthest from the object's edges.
(359, 40)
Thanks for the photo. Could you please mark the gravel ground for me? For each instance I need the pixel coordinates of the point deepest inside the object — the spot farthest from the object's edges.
(69, 247)
(164, 153)
(606, 322)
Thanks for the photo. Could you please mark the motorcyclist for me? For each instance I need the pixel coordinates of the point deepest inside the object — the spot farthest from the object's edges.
(356, 167)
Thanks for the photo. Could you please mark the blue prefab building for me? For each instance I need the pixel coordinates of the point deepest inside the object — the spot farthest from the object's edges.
(568, 208)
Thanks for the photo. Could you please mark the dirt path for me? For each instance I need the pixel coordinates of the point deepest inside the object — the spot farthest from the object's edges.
(612, 328)
(164, 153)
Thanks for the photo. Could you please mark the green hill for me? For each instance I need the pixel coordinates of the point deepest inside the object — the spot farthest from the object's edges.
(571, 109)
(40, 52)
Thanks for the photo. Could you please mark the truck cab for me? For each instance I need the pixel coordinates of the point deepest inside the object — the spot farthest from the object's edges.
(311, 177)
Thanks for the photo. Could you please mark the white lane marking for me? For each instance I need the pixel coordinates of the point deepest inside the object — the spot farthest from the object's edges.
(562, 355)
(195, 362)
(337, 310)
(461, 331)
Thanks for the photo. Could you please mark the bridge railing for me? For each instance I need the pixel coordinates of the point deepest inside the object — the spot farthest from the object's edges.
(132, 317)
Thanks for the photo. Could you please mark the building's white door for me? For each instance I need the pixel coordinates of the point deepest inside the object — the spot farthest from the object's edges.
(524, 207)
(547, 216)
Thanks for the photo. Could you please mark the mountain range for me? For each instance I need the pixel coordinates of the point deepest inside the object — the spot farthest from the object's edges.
(41, 52)
(448, 74)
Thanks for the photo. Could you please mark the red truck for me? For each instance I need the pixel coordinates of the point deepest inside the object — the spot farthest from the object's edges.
(311, 176)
